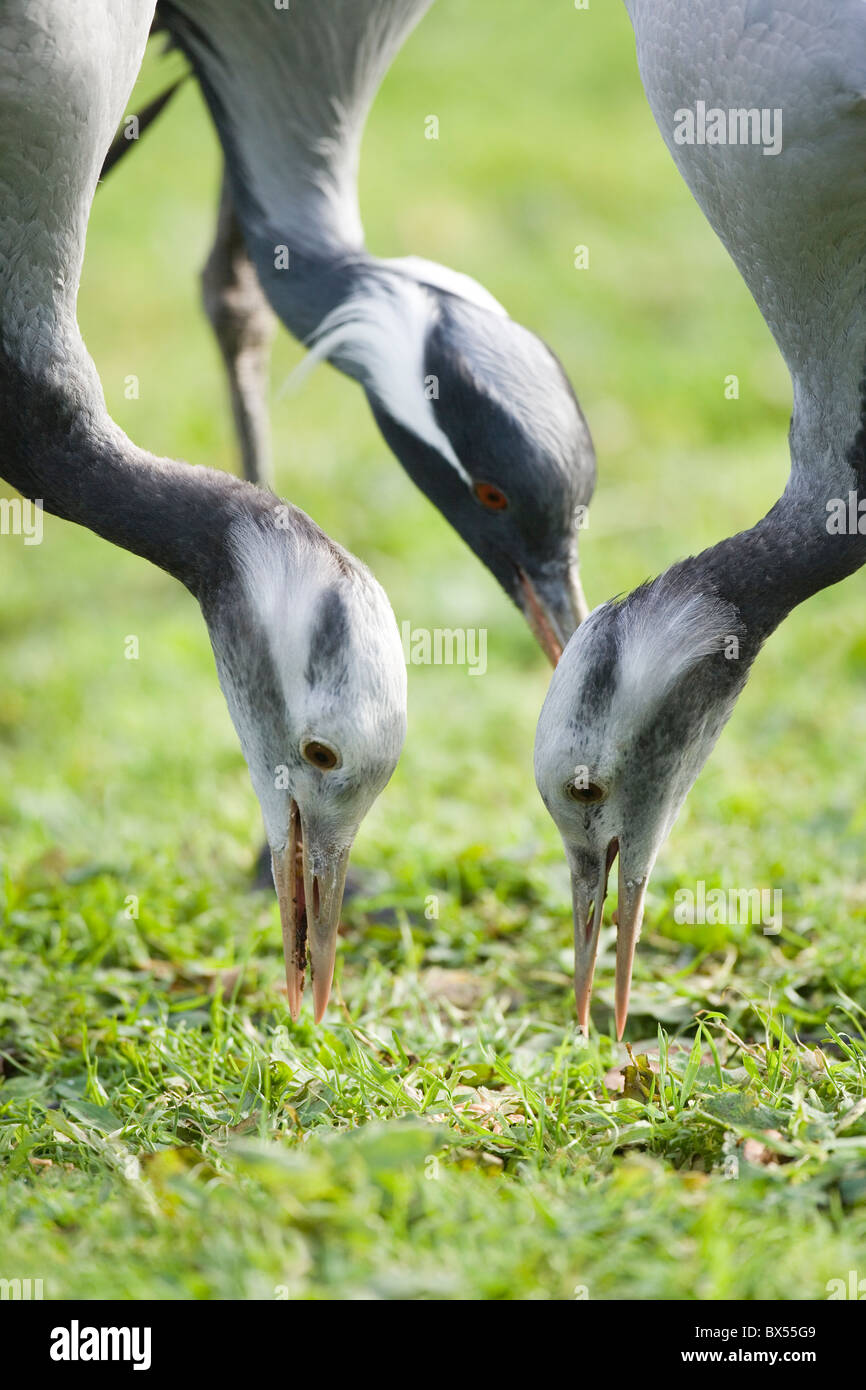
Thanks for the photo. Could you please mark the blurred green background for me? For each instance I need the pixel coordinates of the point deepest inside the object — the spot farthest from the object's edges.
(124, 777)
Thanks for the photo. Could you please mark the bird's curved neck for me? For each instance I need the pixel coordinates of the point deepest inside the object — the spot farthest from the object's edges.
(289, 89)
(305, 288)
(62, 450)
(791, 211)
(65, 74)
(813, 537)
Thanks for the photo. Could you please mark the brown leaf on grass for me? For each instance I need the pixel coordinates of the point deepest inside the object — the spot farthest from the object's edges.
(457, 987)
(224, 979)
(183, 974)
(245, 1126)
(162, 969)
(634, 1081)
(39, 1165)
(49, 867)
(754, 1151)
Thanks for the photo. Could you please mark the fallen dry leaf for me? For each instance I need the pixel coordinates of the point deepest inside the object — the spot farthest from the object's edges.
(457, 987)
(754, 1151)
(634, 1081)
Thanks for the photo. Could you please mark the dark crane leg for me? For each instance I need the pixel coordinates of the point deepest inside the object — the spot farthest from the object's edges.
(244, 325)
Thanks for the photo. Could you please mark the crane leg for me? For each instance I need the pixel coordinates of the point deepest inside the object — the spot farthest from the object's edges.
(244, 325)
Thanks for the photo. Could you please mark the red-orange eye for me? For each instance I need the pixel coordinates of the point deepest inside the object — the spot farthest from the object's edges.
(493, 498)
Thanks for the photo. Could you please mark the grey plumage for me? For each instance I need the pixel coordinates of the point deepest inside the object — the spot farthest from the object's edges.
(301, 685)
(640, 720)
(289, 91)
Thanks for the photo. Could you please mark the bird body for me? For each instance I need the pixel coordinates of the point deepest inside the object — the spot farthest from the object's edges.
(305, 642)
(646, 685)
(477, 409)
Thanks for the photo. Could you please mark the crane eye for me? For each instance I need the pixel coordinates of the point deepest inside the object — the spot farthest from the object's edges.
(490, 496)
(322, 755)
(588, 795)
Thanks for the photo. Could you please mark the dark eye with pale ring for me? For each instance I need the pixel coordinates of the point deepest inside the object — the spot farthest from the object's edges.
(490, 496)
(322, 755)
(587, 795)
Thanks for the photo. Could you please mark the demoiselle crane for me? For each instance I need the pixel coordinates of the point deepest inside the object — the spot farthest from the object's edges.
(762, 104)
(305, 642)
(476, 408)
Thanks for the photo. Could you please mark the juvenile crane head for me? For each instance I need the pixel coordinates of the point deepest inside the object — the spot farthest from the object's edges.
(483, 418)
(634, 709)
(310, 662)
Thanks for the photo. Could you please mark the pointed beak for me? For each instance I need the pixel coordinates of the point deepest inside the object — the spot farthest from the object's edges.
(631, 893)
(588, 890)
(553, 607)
(310, 904)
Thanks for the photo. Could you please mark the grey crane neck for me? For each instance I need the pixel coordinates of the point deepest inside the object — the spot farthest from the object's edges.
(810, 539)
(65, 451)
(304, 287)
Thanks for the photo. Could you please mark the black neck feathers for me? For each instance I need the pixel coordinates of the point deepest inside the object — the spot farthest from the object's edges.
(66, 452)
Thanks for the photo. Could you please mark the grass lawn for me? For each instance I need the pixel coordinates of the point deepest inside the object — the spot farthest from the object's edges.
(165, 1130)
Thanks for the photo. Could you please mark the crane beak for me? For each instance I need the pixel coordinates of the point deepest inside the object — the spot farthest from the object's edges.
(310, 903)
(589, 889)
(553, 606)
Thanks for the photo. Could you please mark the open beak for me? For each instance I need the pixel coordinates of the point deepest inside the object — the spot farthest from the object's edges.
(588, 889)
(553, 608)
(310, 906)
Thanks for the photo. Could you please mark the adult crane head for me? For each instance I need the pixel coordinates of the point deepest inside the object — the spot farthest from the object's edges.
(476, 408)
(305, 641)
(311, 666)
(646, 684)
(634, 709)
(306, 644)
(483, 418)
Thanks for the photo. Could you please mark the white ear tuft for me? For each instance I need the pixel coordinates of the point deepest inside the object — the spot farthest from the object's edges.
(444, 278)
(661, 639)
(378, 336)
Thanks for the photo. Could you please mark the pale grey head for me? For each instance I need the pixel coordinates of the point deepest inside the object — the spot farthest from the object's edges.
(310, 662)
(645, 686)
(306, 643)
(634, 709)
